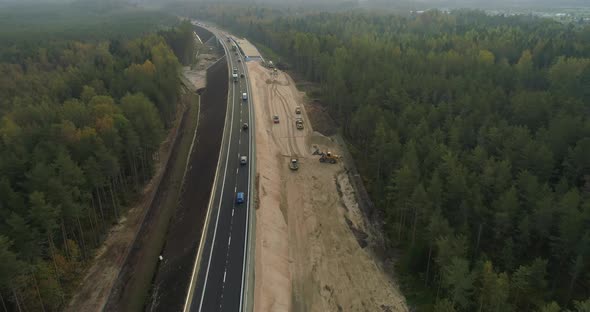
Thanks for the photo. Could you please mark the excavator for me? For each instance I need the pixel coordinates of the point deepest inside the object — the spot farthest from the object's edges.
(329, 158)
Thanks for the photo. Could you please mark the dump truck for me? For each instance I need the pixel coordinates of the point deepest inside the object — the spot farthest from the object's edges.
(294, 164)
(299, 123)
(329, 158)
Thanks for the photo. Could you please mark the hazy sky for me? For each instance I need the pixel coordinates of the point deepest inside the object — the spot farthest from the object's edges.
(393, 3)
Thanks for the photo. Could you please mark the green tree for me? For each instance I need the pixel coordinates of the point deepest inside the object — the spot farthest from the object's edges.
(459, 282)
(493, 294)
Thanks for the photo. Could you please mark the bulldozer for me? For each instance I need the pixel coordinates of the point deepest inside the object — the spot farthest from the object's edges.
(329, 158)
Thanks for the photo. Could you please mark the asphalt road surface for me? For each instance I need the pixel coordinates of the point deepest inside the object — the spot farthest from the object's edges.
(219, 282)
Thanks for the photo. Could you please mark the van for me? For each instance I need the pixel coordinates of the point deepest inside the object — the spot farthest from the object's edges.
(240, 198)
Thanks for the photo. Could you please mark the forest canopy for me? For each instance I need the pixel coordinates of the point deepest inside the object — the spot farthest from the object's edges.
(472, 134)
(84, 107)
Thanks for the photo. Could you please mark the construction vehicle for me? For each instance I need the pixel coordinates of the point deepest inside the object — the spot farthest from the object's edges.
(299, 123)
(294, 164)
(329, 158)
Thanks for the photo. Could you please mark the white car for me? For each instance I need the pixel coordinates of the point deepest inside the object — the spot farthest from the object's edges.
(243, 160)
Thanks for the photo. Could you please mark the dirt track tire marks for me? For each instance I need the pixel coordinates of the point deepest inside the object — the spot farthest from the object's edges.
(290, 133)
(292, 148)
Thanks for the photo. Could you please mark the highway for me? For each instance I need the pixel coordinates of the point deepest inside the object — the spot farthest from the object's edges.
(218, 280)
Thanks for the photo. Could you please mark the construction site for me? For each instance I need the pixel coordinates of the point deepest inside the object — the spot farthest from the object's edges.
(312, 240)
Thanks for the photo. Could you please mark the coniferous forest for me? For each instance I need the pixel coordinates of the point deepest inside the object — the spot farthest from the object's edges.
(87, 91)
(472, 134)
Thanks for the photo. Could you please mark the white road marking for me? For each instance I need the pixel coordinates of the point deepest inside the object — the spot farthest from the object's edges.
(224, 273)
(229, 241)
(235, 189)
(243, 300)
(231, 127)
(232, 212)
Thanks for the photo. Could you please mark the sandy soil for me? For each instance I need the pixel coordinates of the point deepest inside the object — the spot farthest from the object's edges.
(197, 75)
(248, 48)
(308, 257)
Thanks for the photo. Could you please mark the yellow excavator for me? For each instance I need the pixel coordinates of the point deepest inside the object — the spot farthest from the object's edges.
(329, 158)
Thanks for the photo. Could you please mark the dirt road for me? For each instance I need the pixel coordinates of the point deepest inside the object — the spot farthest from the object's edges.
(307, 255)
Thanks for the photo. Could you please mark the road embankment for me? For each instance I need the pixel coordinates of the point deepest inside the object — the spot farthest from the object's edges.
(184, 234)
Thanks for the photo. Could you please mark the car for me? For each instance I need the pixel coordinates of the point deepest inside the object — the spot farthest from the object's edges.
(240, 198)
(244, 96)
(275, 119)
(243, 160)
(298, 110)
(239, 60)
(242, 75)
(235, 70)
(245, 126)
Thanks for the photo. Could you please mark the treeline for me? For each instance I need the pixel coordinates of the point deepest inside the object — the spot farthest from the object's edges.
(25, 26)
(81, 123)
(181, 40)
(472, 133)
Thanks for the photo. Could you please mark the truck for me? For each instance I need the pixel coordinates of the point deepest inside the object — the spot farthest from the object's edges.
(299, 123)
(294, 164)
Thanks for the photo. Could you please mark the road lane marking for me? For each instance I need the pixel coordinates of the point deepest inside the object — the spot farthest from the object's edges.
(232, 212)
(229, 241)
(243, 300)
(224, 273)
(231, 127)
